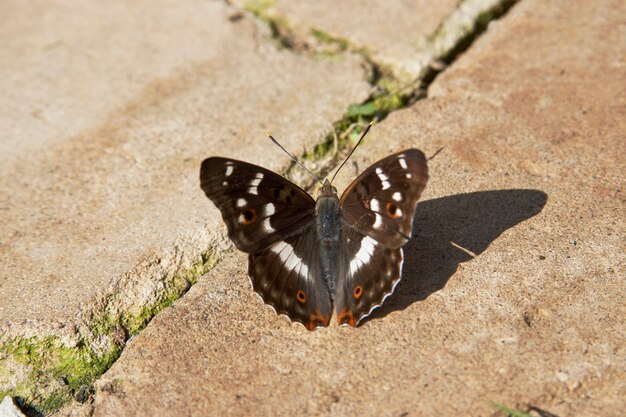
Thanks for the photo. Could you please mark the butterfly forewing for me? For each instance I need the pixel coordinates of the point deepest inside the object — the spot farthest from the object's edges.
(380, 203)
(258, 206)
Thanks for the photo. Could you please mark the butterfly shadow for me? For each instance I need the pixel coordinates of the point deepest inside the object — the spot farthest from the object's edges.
(443, 226)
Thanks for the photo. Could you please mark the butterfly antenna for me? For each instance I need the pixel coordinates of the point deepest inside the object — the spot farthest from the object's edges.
(367, 129)
(293, 157)
(435, 154)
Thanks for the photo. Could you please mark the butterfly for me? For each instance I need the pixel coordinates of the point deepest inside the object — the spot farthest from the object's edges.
(307, 255)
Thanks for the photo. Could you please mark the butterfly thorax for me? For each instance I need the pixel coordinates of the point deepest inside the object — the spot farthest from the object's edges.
(328, 232)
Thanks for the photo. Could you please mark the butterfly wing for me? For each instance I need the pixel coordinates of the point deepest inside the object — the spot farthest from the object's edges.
(258, 206)
(377, 211)
(370, 273)
(288, 277)
(272, 219)
(380, 203)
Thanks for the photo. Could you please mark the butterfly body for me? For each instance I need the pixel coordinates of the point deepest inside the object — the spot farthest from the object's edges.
(305, 255)
(328, 220)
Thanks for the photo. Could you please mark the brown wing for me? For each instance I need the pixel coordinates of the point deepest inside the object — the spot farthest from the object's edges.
(370, 273)
(288, 277)
(381, 202)
(258, 206)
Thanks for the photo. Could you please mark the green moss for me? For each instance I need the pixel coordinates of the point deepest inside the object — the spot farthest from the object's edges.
(58, 372)
(54, 401)
(259, 8)
(510, 412)
(336, 44)
(347, 130)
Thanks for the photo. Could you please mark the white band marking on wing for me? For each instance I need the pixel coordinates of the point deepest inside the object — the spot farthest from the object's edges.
(288, 257)
(363, 255)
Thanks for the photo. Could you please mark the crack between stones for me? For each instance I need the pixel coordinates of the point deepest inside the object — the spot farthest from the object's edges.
(391, 92)
(61, 370)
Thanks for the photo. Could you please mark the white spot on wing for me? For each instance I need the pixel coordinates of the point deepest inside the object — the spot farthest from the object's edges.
(229, 170)
(270, 209)
(397, 196)
(254, 184)
(241, 202)
(267, 227)
(375, 205)
(408, 175)
(402, 162)
(378, 222)
(383, 178)
(224, 183)
(363, 255)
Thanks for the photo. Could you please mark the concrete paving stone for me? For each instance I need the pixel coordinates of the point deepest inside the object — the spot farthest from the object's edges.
(513, 284)
(406, 35)
(106, 113)
(393, 30)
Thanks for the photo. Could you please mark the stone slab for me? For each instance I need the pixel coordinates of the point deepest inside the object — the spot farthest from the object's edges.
(393, 31)
(513, 285)
(407, 36)
(107, 112)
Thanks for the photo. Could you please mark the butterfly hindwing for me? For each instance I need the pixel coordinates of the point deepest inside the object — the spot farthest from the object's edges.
(381, 202)
(258, 206)
(369, 274)
(288, 277)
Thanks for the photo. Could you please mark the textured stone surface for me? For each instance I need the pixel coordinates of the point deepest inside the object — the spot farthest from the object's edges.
(513, 285)
(407, 36)
(393, 31)
(107, 111)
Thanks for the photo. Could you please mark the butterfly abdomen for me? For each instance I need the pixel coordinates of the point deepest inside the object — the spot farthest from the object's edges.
(329, 236)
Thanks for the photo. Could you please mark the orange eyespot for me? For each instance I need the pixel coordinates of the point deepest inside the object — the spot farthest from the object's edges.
(393, 211)
(358, 292)
(248, 216)
(301, 297)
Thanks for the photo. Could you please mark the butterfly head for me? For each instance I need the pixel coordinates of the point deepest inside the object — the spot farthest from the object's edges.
(328, 190)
